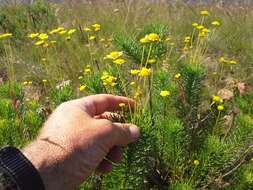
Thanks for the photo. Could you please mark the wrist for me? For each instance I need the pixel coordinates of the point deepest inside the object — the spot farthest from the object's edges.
(47, 158)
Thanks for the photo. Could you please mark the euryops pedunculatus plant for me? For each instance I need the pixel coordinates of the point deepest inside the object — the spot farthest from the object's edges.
(193, 136)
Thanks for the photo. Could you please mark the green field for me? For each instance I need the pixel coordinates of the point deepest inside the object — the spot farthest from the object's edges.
(189, 68)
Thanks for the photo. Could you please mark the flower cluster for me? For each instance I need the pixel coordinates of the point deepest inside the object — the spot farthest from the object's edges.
(108, 80)
(5, 36)
(149, 38)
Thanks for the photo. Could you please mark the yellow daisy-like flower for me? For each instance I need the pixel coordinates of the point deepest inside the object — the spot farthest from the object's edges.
(39, 43)
(87, 70)
(53, 42)
(167, 39)
(220, 108)
(119, 61)
(137, 94)
(144, 40)
(43, 36)
(164, 93)
(187, 39)
(33, 35)
(134, 72)
(25, 83)
(96, 25)
(71, 31)
(217, 99)
(87, 29)
(5, 36)
(114, 55)
(222, 60)
(153, 37)
(151, 61)
(144, 72)
(204, 13)
(195, 24)
(44, 81)
(233, 62)
(57, 30)
(82, 88)
(200, 27)
(62, 32)
(216, 23)
(202, 34)
(91, 38)
(44, 59)
(177, 76)
(205, 30)
(196, 162)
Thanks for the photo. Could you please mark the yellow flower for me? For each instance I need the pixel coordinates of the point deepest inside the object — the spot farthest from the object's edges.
(62, 32)
(216, 23)
(137, 94)
(217, 99)
(44, 81)
(233, 62)
(30, 82)
(132, 83)
(134, 72)
(187, 39)
(164, 93)
(82, 88)
(202, 34)
(44, 59)
(144, 40)
(39, 43)
(80, 77)
(177, 76)
(43, 36)
(167, 39)
(102, 40)
(25, 83)
(114, 55)
(119, 61)
(222, 60)
(108, 80)
(86, 29)
(33, 35)
(196, 162)
(220, 108)
(152, 61)
(195, 24)
(96, 25)
(204, 13)
(87, 70)
(205, 30)
(57, 30)
(71, 31)
(91, 38)
(5, 36)
(122, 105)
(153, 37)
(200, 27)
(144, 72)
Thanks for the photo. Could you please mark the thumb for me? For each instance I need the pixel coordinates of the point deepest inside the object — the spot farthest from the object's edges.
(125, 133)
(121, 134)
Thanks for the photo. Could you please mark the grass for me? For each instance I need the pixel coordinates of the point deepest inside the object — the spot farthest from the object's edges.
(187, 142)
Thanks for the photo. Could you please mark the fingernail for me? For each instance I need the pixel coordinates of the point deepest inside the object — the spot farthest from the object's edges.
(135, 132)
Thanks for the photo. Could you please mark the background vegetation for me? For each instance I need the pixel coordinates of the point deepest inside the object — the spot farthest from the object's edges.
(193, 85)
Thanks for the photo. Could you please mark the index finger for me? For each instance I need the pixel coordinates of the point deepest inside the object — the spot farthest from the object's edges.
(98, 104)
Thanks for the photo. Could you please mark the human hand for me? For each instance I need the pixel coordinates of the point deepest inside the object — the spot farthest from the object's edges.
(74, 142)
